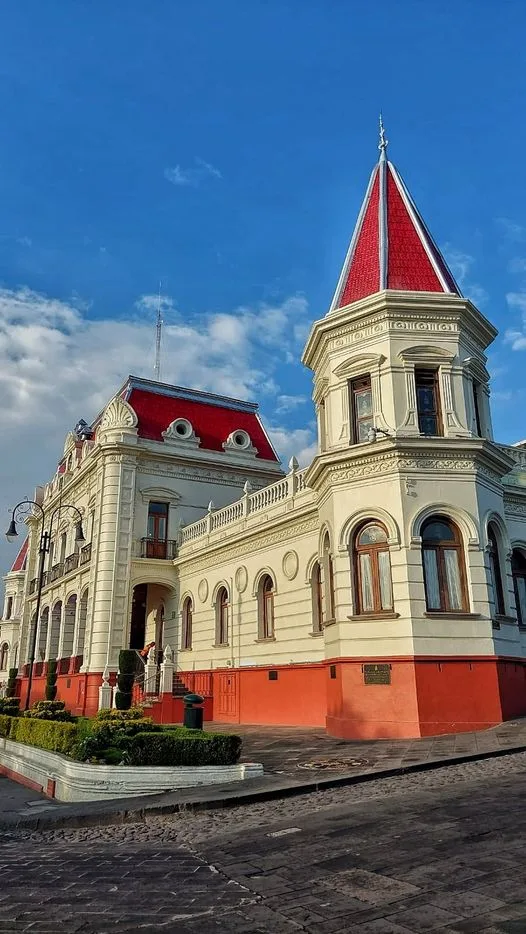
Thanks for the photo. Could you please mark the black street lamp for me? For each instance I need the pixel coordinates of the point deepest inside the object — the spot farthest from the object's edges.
(24, 509)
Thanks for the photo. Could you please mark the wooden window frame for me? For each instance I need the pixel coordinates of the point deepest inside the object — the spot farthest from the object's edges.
(516, 573)
(188, 612)
(439, 547)
(359, 384)
(496, 573)
(157, 516)
(476, 386)
(266, 608)
(317, 597)
(427, 376)
(222, 616)
(373, 550)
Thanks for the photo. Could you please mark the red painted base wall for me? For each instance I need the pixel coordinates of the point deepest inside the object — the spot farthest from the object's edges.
(425, 696)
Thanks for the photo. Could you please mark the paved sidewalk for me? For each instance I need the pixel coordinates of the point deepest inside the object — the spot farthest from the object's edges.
(303, 752)
(296, 761)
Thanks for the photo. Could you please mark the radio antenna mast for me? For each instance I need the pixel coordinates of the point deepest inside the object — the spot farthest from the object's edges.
(158, 339)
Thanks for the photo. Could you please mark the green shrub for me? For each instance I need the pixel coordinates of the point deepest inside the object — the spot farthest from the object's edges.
(47, 734)
(112, 732)
(49, 710)
(5, 725)
(11, 682)
(171, 747)
(51, 680)
(128, 661)
(134, 713)
(125, 678)
(10, 706)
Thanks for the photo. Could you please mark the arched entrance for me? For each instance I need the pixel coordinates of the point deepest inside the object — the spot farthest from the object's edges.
(147, 622)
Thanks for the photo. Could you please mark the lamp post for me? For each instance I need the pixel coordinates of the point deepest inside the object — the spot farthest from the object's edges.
(24, 509)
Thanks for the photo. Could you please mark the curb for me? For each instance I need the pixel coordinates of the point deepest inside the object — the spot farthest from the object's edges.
(120, 811)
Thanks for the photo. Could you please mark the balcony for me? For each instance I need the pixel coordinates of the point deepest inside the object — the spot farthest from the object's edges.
(71, 562)
(158, 548)
(55, 572)
(85, 554)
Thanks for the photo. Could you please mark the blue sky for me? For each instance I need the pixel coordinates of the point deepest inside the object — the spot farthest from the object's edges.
(224, 148)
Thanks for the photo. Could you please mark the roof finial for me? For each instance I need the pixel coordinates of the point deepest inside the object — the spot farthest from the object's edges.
(383, 144)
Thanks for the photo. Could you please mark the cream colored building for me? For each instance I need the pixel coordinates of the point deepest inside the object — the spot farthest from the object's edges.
(381, 591)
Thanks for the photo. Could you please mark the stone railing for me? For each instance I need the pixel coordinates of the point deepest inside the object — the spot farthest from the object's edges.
(517, 454)
(250, 503)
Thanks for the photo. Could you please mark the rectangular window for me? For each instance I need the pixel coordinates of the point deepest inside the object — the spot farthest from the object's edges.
(361, 407)
(158, 521)
(9, 608)
(427, 402)
(476, 409)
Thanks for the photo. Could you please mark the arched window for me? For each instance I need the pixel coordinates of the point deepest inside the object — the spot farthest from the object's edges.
(518, 568)
(317, 598)
(266, 607)
(222, 609)
(328, 575)
(495, 572)
(4, 652)
(444, 575)
(187, 623)
(374, 591)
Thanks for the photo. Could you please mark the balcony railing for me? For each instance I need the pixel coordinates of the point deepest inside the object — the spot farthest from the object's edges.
(55, 572)
(158, 548)
(85, 554)
(71, 562)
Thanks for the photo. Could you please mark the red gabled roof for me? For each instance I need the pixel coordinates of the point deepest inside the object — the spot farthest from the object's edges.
(391, 247)
(211, 420)
(19, 563)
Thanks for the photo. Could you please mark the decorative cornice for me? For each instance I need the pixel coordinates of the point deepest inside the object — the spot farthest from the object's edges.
(254, 541)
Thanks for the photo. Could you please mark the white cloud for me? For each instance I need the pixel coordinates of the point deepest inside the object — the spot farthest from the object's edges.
(517, 301)
(460, 264)
(289, 403)
(298, 442)
(192, 176)
(58, 365)
(511, 229)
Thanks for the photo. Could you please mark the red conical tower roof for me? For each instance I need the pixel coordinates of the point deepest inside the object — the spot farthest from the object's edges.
(391, 247)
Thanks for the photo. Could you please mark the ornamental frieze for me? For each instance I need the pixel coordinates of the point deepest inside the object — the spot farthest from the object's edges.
(255, 543)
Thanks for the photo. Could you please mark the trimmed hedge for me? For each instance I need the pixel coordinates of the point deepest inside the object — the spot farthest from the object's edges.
(47, 734)
(10, 706)
(112, 733)
(49, 710)
(172, 747)
(107, 713)
(125, 678)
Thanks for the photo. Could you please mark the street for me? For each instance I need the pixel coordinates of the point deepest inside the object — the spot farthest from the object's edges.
(436, 851)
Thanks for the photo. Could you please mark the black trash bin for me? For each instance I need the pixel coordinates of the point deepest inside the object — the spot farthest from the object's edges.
(193, 712)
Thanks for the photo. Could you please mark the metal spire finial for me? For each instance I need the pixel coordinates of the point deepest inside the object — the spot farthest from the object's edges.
(383, 144)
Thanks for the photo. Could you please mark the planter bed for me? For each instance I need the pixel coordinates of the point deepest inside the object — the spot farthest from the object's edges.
(68, 780)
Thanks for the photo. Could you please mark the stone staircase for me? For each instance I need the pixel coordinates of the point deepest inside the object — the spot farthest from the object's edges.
(179, 688)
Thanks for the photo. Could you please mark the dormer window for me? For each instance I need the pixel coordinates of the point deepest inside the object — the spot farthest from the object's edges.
(241, 439)
(239, 442)
(182, 427)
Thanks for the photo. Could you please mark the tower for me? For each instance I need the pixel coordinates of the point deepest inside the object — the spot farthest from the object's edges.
(410, 487)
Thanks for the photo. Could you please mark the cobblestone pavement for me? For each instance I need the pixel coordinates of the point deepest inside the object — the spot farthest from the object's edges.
(435, 851)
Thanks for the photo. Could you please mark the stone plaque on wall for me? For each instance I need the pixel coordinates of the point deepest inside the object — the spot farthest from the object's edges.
(377, 674)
